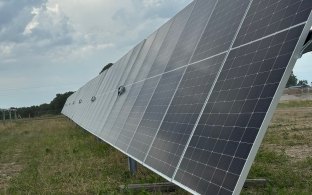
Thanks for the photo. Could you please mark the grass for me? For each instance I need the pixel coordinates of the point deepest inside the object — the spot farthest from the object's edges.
(285, 155)
(295, 104)
(55, 156)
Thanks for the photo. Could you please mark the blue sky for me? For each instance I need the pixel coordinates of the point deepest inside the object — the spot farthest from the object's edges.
(54, 46)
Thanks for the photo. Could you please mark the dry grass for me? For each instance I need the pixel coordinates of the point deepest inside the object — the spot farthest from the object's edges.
(285, 156)
(56, 156)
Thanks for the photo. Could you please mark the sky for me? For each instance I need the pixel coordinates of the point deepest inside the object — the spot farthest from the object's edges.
(54, 46)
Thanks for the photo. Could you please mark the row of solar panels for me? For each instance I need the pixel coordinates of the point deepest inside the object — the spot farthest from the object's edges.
(308, 43)
(199, 92)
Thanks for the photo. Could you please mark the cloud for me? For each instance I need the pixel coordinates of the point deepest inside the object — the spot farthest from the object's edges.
(34, 23)
(49, 28)
(152, 3)
(9, 10)
(6, 49)
(33, 29)
(65, 43)
(55, 28)
(303, 68)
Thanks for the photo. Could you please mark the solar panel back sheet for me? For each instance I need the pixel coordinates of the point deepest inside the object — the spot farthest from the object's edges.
(199, 92)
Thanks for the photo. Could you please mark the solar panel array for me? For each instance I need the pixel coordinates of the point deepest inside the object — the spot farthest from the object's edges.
(200, 91)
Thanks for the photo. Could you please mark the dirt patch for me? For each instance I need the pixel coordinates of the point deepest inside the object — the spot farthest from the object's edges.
(299, 152)
(296, 97)
(7, 171)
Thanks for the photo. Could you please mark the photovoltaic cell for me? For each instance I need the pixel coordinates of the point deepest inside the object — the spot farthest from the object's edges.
(149, 85)
(75, 111)
(102, 96)
(162, 45)
(124, 135)
(109, 96)
(89, 111)
(154, 113)
(123, 65)
(234, 113)
(112, 133)
(267, 17)
(171, 40)
(133, 90)
(138, 109)
(191, 34)
(118, 104)
(153, 51)
(139, 63)
(221, 28)
(89, 90)
(182, 115)
(200, 91)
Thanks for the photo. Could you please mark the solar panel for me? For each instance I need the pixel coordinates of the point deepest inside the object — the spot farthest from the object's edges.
(182, 115)
(221, 28)
(191, 34)
(209, 68)
(153, 114)
(119, 101)
(171, 40)
(144, 94)
(199, 92)
(234, 113)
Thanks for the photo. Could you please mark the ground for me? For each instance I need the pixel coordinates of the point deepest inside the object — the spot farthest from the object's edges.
(55, 156)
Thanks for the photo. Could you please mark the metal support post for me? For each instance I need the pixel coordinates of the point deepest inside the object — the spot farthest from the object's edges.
(307, 47)
(3, 112)
(132, 164)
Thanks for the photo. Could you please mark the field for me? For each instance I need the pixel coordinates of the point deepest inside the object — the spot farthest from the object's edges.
(55, 156)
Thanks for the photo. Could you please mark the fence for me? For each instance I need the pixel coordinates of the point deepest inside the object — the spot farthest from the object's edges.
(12, 114)
(304, 93)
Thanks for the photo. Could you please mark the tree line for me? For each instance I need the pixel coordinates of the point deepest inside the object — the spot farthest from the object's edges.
(293, 81)
(53, 108)
(56, 105)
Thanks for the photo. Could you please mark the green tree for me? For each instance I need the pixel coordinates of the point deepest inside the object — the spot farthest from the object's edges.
(55, 107)
(303, 82)
(106, 67)
(59, 101)
(292, 81)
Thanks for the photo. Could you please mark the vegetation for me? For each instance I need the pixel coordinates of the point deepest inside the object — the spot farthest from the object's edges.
(56, 156)
(106, 67)
(295, 104)
(292, 81)
(284, 157)
(54, 107)
(302, 82)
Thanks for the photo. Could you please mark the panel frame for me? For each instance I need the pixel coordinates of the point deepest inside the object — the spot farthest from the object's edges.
(163, 72)
(206, 101)
(267, 119)
(269, 113)
(169, 23)
(144, 109)
(174, 94)
(70, 110)
(123, 98)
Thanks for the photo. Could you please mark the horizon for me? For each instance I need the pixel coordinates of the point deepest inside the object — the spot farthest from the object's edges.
(48, 48)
